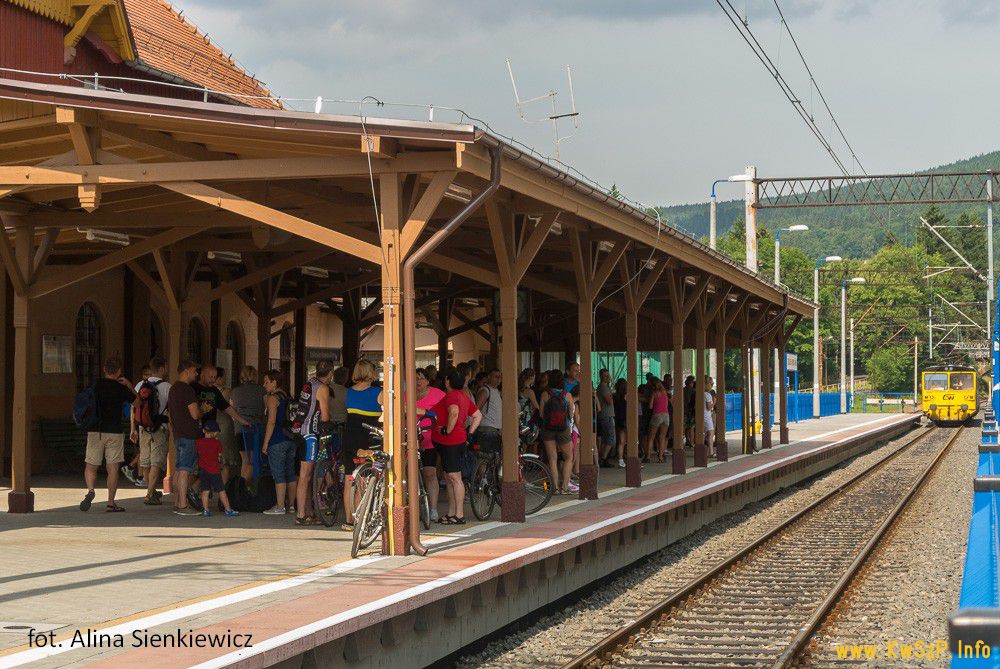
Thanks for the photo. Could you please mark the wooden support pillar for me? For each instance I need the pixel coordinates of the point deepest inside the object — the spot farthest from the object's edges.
(6, 354)
(721, 445)
(698, 369)
(174, 336)
(678, 460)
(633, 467)
(390, 196)
(444, 315)
(765, 393)
(214, 330)
(512, 488)
(300, 347)
(263, 330)
(351, 328)
(21, 499)
(588, 461)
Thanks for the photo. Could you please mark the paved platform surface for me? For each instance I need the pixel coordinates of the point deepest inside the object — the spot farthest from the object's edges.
(150, 570)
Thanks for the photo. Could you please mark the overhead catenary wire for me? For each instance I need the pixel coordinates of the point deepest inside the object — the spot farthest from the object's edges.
(743, 28)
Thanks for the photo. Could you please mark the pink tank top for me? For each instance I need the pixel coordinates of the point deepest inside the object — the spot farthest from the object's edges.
(661, 404)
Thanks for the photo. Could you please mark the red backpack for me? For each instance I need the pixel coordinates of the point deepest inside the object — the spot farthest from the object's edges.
(148, 412)
(555, 412)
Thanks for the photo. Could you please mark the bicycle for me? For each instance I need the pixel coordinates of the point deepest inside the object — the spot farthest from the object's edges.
(328, 483)
(370, 476)
(532, 472)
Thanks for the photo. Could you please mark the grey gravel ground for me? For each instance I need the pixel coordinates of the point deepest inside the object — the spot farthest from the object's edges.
(558, 637)
(910, 585)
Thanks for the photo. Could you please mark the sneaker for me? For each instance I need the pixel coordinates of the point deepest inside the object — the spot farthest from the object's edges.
(88, 499)
(186, 511)
(275, 511)
(140, 482)
(572, 487)
(230, 513)
(621, 464)
(289, 509)
(206, 513)
(434, 515)
(128, 474)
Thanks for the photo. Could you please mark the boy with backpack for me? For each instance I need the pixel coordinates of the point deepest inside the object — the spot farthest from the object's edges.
(150, 427)
(99, 410)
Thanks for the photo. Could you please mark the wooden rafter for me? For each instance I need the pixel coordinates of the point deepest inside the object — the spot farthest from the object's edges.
(253, 278)
(424, 210)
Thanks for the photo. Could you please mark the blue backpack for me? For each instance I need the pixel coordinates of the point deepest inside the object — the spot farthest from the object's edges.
(85, 412)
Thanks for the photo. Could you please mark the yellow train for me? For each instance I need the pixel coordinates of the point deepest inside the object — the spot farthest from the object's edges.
(949, 394)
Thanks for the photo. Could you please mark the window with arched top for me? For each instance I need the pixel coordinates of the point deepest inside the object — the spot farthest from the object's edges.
(234, 342)
(196, 341)
(87, 346)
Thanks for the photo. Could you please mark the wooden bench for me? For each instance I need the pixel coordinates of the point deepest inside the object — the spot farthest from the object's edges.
(65, 444)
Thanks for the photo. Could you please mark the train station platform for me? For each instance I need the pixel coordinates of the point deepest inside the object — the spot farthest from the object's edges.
(147, 588)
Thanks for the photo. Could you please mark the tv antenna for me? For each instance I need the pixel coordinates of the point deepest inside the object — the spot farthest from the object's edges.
(555, 116)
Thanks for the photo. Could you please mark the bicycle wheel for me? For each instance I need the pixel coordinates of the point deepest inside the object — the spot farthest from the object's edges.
(326, 492)
(481, 496)
(362, 477)
(538, 486)
(368, 524)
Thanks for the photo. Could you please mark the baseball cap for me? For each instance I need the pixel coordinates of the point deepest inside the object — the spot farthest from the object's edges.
(211, 426)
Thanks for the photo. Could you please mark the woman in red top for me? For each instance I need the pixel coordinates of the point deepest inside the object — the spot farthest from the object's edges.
(449, 437)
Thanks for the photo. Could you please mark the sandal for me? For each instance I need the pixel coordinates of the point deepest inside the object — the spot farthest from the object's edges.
(447, 520)
(347, 527)
(304, 520)
(457, 521)
(114, 508)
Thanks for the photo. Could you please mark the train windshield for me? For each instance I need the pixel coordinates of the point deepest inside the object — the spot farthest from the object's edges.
(962, 381)
(935, 382)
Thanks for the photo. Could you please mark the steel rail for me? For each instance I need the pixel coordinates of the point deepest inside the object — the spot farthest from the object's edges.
(615, 641)
(813, 624)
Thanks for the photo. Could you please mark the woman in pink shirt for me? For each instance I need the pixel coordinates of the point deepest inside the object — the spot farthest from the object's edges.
(427, 399)
(659, 422)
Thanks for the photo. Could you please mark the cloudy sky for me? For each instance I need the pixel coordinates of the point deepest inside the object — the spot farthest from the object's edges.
(671, 97)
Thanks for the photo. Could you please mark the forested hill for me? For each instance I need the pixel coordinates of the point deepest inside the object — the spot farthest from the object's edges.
(848, 231)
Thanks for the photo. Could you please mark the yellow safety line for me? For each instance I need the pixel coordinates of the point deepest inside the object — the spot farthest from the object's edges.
(187, 602)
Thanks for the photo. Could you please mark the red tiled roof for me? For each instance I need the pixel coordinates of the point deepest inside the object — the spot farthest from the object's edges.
(166, 42)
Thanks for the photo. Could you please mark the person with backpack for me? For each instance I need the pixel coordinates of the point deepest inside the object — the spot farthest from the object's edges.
(150, 427)
(185, 411)
(490, 402)
(278, 446)
(557, 410)
(311, 421)
(98, 410)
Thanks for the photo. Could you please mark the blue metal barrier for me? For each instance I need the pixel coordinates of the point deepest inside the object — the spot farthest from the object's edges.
(974, 630)
(800, 407)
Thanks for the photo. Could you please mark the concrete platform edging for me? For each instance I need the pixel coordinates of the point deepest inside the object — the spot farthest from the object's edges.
(404, 629)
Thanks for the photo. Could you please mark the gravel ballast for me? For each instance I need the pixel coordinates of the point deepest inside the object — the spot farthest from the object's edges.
(555, 638)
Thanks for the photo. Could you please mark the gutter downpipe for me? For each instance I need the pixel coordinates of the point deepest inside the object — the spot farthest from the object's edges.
(410, 341)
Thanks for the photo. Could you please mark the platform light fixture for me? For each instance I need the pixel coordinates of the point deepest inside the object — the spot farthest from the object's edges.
(105, 236)
(227, 256)
(459, 193)
(317, 272)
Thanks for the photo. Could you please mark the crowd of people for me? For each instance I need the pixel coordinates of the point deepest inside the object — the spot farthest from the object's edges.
(256, 429)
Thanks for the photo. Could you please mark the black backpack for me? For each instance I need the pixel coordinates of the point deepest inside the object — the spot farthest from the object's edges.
(86, 414)
(243, 498)
(296, 418)
(555, 412)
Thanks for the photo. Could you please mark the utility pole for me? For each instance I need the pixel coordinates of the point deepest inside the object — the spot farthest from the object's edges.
(989, 253)
(750, 216)
(930, 330)
(850, 364)
(914, 370)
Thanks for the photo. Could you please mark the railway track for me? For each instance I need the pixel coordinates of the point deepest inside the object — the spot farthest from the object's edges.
(759, 606)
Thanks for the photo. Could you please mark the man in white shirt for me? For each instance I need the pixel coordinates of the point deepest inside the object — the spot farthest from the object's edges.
(152, 439)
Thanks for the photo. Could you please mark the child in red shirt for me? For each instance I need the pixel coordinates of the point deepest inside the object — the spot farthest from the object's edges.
(209, 450)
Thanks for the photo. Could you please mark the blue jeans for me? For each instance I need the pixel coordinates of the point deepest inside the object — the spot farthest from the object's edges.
(281, 457)
(187, 456)
(253, 439)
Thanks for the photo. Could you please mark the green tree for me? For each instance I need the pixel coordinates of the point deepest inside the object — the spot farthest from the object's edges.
(890, 369)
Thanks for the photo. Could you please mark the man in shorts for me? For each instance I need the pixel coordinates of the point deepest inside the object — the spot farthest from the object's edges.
(153, 443)
(606, 418)
(105, 441)
(185, 413)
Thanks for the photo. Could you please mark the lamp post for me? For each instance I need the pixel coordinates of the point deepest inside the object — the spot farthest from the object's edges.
(777, 280)
(850, 363)
(843, 339)
(713, 236)
(817, 372)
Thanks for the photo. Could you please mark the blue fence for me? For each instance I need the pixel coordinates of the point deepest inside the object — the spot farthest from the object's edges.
(800, 407)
